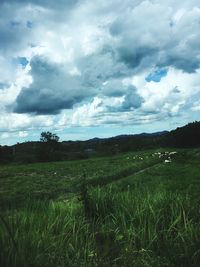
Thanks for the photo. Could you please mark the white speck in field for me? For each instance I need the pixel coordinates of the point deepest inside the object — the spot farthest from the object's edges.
(173, 153)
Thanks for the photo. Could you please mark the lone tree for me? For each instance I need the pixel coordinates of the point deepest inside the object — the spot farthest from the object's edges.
(49, 137)
(48, 149)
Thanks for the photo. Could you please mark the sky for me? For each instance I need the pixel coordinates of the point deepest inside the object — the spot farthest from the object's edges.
(85, 69)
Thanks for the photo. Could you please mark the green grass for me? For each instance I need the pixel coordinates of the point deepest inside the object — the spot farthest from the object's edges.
(149, 218)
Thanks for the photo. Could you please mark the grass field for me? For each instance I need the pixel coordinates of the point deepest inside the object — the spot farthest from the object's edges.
(127, 210)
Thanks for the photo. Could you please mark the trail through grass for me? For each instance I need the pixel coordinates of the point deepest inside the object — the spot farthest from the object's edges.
(147, 219)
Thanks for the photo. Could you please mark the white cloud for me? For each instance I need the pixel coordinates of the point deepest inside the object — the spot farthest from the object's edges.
(15, 122)
(5, 135)
(162, 96)
(85, 114)
(94, 51)
(23, 134)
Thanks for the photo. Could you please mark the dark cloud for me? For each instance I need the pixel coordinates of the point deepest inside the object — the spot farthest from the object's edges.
(113, 88)
(100, 67)
(54, 89)
(133, 56)
(51, 91)
(183, 62)
(10, 36)
(41, 102)
(132, 99)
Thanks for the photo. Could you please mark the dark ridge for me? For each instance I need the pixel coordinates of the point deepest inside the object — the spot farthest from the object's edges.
(186, 136)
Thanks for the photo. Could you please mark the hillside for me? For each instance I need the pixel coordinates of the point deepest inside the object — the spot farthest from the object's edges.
(186, 136)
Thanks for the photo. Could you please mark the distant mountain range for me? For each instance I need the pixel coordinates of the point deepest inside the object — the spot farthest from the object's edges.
(186, 136)
(141, 134)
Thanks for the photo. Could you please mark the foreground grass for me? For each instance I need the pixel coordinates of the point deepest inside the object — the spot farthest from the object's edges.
(148, 219)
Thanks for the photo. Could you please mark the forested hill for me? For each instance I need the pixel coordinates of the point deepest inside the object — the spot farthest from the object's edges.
(186, 136)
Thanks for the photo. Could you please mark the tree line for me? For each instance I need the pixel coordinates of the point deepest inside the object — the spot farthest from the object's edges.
(49, 148)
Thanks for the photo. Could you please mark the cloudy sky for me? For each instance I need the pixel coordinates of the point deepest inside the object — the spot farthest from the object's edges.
(84, 68)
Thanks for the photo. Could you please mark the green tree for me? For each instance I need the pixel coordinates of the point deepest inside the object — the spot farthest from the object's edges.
(49, 147)
(48, 137)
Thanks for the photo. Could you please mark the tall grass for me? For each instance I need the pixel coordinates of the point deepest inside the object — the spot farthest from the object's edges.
(47, 234)
(148, 220)
(131, 228)
(158, 223)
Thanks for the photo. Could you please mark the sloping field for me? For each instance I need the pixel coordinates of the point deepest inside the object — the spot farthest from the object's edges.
(135, 209)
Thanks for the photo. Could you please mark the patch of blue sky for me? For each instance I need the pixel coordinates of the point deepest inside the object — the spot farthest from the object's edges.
(22, 61)
(3, 85)
(156, 75)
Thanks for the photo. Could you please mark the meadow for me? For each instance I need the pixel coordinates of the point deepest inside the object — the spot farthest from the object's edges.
(139, 209)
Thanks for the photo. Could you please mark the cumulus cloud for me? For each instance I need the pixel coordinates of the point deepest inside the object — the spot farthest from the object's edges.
(113, 62)
(145, 37)
(52, 90)
(23, 134)
(132, 99)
